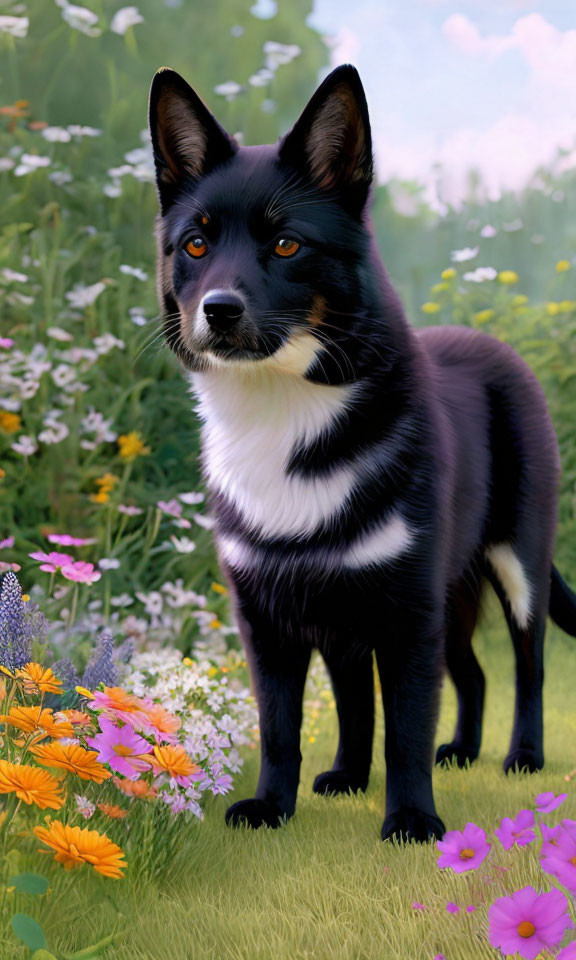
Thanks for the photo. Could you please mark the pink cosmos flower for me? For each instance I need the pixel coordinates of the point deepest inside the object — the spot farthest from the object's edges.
(117, 704)
(568, 953)
(463, 850)
(121, 748)
(7, 543)
(558, 855)
(452, 907)
(128, 510)
(52, 562)
(547, 802)
(419, 906)
(81, 572)
(528, 922)
(550, 834)
(65, 540)
(520, 830)
(6, 343)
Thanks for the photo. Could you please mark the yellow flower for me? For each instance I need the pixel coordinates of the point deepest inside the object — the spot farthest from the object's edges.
(508, 277)
(101, 497)
(552, 308)
(112, 810)
(218, 588)
(2, 473)
(520, 300)
(31, 784)
(10, 422)
(430, 307)
(75, 846)
(311, 739)
(483, 316)
(566, 306)
(30, 719)
(105, 484)
(448, 274)
(439, 287)
(562, 266)
(132, 446)
(73, 758)
(215, 623)
(172, 760)
(38, 679)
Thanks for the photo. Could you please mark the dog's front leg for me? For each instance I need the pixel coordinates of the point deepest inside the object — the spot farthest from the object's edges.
(410, 674)
(278, 669)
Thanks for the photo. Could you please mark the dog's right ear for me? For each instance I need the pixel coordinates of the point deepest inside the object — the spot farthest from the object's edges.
(187, 140)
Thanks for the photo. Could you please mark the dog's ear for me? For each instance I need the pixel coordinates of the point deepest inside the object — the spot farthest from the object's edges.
(187, 139)
(331, 138)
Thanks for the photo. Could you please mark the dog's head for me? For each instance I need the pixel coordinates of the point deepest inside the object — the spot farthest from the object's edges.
(263, 251)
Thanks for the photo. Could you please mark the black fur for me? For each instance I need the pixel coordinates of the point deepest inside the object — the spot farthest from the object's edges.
(449, 427)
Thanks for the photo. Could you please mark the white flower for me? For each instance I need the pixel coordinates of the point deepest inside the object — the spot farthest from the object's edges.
(107, 342)
(124, 19)
(55, 433)
(183, 545)
(22, 298)
(79, 131)
(152, 602)
(262, 78)
(191, 498)
(60, 177)
(268, 106)
(514, 225)
(138, 155)
(12, 276)
(129, 511)
(25, 445)
(122, 600)
(122, 171)
(480, 274)
(57, 333)
(30, 162)
(56, 135)
(15, 26)
(137, 316)
(488, 231)
(467, 253)
(264, 9)
(85, 806)
(82, 296)
(280, 53)
(204, 521)
(6, 164)
(108, 563)
(63, 374)
(133, 271)
(228, 90)
(113, 189)
(95, 423)
(80, 18)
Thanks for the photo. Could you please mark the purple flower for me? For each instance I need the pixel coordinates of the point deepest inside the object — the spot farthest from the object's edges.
(528, 922)
(452, 907)
(463, 850)
(222, 784)
(6, 544)
(66, 672)
(101, 667)
(520, 830)
(121, 748)
(418, 906)
(558, 854)
(15, 630)
(568, 953)
(547, 802)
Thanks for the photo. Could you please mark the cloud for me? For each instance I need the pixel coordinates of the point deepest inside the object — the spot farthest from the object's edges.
(466, 37)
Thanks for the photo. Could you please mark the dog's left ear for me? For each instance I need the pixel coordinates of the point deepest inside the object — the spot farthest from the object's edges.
(332, 140)
(186, 137)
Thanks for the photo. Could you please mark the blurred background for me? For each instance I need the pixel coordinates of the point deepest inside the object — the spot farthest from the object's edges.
(473, 109)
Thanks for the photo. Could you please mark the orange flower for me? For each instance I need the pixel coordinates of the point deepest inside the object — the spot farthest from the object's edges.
(30, 719)
(174, 761)
(119, 703)
(135, 788)
(162, 721)
(31, 785)
(74, 758)
(38, 679)
(76, 717)
(112, 810)
(76, 845)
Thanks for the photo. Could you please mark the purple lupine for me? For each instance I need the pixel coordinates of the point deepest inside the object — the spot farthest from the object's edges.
(15, 630)
(66, 672)
(101, 667)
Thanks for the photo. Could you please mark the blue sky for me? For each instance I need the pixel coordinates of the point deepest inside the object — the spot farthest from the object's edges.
(463, 83)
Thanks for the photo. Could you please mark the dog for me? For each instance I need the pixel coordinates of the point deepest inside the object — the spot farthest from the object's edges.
(366, 478)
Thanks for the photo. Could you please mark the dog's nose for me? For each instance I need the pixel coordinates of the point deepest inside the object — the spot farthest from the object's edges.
(223, 309)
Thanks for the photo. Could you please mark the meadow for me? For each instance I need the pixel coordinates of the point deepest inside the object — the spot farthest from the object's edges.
(102, 514)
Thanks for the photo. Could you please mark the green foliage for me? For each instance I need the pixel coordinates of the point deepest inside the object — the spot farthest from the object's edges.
(28, 931)
(31, 883)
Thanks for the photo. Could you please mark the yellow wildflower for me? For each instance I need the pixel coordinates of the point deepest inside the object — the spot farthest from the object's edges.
(101, 497)
(448, 274)
(105, 484)
(483, 316)
(439, 287)
(10, 422)
(430, 307)
(215, 623)
(218, 588)
(552, 308)
(566, 306)
(520, 300)
(131, 446)
(562, 266)
(508, 277)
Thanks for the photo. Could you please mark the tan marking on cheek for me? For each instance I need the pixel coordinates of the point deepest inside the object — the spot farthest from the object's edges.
(318, 311)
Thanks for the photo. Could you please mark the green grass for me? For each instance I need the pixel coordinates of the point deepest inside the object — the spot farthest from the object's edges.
(325, 886)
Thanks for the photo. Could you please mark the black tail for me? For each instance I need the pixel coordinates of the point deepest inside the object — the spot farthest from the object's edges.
(562, 604)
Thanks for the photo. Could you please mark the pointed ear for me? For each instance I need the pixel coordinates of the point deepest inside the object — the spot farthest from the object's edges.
(331, 139)
(186, 138)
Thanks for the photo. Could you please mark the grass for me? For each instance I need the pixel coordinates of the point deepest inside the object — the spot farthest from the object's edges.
(326, 887)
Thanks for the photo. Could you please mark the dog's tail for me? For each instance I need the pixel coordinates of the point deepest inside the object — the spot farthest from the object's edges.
(562, 604)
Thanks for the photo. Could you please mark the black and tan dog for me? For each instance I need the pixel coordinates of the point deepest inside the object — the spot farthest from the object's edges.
(365, 477)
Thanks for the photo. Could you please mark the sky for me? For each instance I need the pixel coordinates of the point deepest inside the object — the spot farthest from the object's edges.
(484, 84)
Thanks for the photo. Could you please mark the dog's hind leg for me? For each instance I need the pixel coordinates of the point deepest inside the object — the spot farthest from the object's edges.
(465, 672)
(352, 677)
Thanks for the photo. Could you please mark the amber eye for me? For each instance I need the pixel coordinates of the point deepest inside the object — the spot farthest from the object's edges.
(286, 248)
(196, 247)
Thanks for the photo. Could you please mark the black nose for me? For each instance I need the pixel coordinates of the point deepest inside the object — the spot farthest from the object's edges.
(223, 310)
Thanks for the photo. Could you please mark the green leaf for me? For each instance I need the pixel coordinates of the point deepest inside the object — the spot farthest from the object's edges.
(28, 931)
(88, 952)
(31, 883)
(43, 955)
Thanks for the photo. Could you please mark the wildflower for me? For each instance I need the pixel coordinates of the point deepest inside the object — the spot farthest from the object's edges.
(547, 802)
(108, 563)
(30, 719)
(419, 906)
(131, 446)
(125, 18)
(183, 544)
(160, 723)
(451, 907)
(38, 679)
(30, 162)
(568, 953)
(73, 758)
(203, 521)
(65, 540)
(483, 316)
(112, 810)
(552, 308)
(6, 343)
(31, 784)
(81, 572)
(52, 562)
(488, 232)
(192, 497)
(528, 922)
(15, 26)
(106, 343)
(563, 266)
(508, 277)
(218, 588)
(463, 850)
(448, 274)
(101, 667)
(174, 761)
(75, 846)
(480, 274)
(76, 717)
(66, 672)
(119, 704)
(133, 271)
(10, 422)
(230, 89)
(15, 629)
(129, 511)
(85, 806)
(80, 18)
(26, 446)
(520, 300)
(121, 748)
(7, 543)
(13, 276)
(82, 296)
(135, 788)
(558, 856)
(467, 253)
(430, 307)
(518, 831)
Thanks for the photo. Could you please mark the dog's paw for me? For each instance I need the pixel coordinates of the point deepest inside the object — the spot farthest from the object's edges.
(255, 813)
(338, 781)
(523, 761)
(455, 753)
(409, 823)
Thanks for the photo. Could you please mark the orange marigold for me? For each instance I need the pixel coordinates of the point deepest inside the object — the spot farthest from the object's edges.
(173, 760)
(112, 810)
(76, 845)
(161, 720)
(39, 679)
(72, 757)
(31, 784)
(30, 719)
(76, 717)
(135, 788)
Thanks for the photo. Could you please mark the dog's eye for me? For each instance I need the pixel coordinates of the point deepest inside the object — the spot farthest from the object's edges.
(196, 247)
(286, 247)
